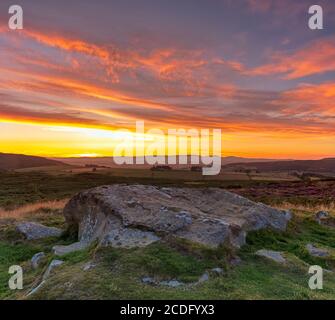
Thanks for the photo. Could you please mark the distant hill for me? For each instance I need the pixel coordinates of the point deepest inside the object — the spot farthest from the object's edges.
(321, 166)
(109, 162)
(10, 161)
(230, 160)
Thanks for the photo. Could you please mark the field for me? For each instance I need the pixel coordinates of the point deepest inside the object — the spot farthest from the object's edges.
(54, 183)
(40, 196)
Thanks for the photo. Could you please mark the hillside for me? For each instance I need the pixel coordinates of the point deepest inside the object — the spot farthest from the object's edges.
(10, 161)
(321, 166)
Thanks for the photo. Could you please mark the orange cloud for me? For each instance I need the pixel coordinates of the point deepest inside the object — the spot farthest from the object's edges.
(310, 98)
(176, 71)
(318, 57)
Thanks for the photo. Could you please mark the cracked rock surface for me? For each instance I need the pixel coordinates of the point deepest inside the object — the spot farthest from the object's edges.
(137, 215)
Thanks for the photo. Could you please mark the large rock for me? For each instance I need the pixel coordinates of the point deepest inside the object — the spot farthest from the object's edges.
(33, 230)
(135, 215)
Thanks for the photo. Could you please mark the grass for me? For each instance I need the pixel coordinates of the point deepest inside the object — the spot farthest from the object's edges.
(22, 188)
(118, 272)
(23, 211)
(301, 231)
(309, 207)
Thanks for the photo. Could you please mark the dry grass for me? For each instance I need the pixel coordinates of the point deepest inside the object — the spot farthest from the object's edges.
(29, 208)
(304, 207)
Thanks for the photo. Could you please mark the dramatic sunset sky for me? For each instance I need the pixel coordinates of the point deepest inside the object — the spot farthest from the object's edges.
(79, 70)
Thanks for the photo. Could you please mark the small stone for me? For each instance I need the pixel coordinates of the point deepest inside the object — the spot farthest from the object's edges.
(33, 230)
(204, 278)
(34, 290)
(54, 264)
(62, 250)
(148, 280)
(321, 215)
(171, 283)
(36, 259)
(316, 252)
(217, 270)
(68, 285)
(271, 255)
(235, 261)
(88, 266)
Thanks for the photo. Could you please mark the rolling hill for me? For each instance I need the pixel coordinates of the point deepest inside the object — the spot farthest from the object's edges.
(109, 162)
(10, 161)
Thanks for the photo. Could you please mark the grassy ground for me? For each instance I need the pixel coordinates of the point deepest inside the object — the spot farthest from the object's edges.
(19, 188)
(118, 272)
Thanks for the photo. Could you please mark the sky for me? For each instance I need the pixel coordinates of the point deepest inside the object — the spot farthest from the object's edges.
(80, 71)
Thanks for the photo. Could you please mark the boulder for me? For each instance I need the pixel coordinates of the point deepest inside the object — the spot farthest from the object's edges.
(271, 255)
(34, 231)
(36, 259)
(317, 252)
(137, 215)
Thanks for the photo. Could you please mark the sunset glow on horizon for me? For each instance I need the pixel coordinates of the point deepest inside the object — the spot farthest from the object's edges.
(77, 74)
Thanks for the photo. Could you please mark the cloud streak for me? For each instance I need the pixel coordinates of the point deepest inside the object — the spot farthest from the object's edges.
(316, 58)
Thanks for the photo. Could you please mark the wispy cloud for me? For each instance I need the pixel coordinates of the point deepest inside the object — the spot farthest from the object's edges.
(316, 58)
